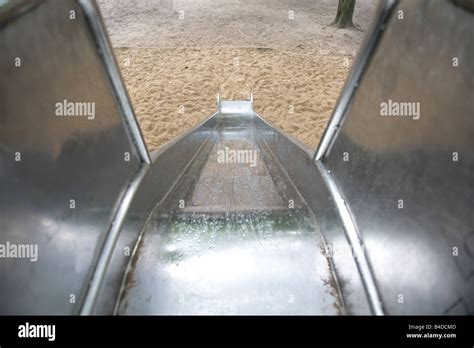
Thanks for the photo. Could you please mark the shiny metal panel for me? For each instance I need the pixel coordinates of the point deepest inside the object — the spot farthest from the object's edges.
(408, 180)
(61, 176)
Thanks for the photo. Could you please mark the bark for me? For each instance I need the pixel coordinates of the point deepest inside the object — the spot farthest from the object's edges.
(345, 12)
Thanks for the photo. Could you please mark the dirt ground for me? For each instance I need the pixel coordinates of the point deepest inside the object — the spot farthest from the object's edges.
(176, 55)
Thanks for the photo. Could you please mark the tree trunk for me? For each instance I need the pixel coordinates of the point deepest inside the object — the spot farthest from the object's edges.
(345, 12)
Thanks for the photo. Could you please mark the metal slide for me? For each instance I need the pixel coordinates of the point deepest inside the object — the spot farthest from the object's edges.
(233, 235)
(234, 216)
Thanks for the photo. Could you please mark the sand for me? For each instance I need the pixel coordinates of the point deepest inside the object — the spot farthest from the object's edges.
(175, 56)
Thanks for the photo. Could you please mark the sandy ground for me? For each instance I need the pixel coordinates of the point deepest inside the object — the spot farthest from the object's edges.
(176, 55)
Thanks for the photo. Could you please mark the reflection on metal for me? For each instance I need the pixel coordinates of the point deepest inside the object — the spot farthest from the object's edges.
(235, 217)
(63, 175)
(407, 174)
